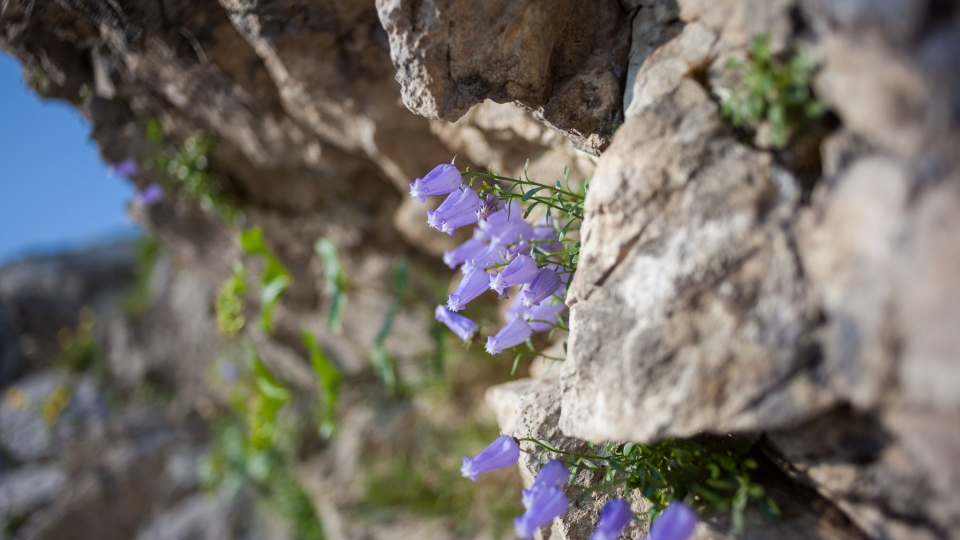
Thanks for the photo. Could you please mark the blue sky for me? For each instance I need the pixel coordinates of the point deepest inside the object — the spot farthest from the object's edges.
(54, 189)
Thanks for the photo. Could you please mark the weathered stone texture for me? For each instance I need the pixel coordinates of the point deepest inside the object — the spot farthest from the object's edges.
(565, 61)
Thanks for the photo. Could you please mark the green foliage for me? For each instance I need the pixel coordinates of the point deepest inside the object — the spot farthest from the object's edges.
(229, 303)
(382, 361)
(328, 383)
(708, 474)
(189, 167)
(335, 282)
(146, 253)
(275, 278)
(256, 445)
(78, 351)
(772, 90)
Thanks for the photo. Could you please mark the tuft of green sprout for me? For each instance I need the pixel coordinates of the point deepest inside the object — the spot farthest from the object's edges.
(335, 282)
(771, 90)
(146, 253)
(709, 474)
(190, 169)
(275, 278)
(229, 303)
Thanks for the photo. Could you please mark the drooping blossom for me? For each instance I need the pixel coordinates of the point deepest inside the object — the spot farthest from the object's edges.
(464, 252)
(458, 324)
(490, 205)
(502, 452)
(547, 505)
(473, 284)
(553, 474)
(520, 271)
(127, 167)
(542, 318)
(459, 209)
(443, 179)
(542, 287)
(676, 522)
(148, 196)
(512, 334)
(614, 516)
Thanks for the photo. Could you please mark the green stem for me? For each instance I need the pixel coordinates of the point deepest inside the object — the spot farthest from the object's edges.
(523, 183)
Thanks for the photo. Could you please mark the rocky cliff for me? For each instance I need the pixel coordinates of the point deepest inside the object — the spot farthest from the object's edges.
(783, 266)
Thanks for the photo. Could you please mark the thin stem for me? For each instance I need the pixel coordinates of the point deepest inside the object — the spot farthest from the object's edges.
(523, 183)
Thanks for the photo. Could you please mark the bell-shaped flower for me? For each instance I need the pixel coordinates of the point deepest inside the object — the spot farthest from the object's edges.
(542, 287)
(491, 204)
(521, 270)
(614, 516)
(552, 475)
(489, 256)
(473, 284)
(459, 209)
(458, 324)
(542, 318)
(508, 214)
(148, 196)
(512, 334)
(463, 253)
(441, 180)
(127, 167)
(517, 232)
(547, 505)
(676, 522)
(503, 452)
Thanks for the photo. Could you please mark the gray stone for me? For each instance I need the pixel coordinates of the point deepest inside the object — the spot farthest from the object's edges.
(564, 61)
(30, 487)
(688, 306)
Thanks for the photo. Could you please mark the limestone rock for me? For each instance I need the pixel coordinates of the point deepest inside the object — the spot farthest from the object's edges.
(564, 61)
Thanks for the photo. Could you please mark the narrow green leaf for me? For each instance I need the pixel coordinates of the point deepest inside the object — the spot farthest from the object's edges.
(531, 193)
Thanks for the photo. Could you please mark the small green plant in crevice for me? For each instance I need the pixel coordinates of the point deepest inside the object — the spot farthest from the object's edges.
(335, 282)
(146, 253)
(229, 303)
(256, 444)
(275, 277)
(709, 474)
(771, 90)
(78, 349)
(383, 362)
(191, 171)
(328, 385)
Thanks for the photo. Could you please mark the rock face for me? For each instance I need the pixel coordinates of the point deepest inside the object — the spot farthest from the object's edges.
(711, 296)
(808, 296)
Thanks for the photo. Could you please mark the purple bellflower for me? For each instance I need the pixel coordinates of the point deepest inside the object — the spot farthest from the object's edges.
(553, 474)
(547, 504)
(543, 286)
(503, 452)
(127, 167)
(614, 516)
(490, 205)
(512, 334)
(150, 195)
(490, 255)
(542, 318)
(460, 325)
(459, 209)
(463, 253)
(441, 180)
(473, 284)
(676, 522)
(521, 270)
(506, 216)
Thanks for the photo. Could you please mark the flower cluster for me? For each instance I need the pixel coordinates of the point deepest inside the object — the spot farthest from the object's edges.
(498, 257)
(545, 500)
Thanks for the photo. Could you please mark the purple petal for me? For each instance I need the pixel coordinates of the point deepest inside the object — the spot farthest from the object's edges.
(549, 504)
(441, 180)
(512, 334)
(553, 474)
(676, 522)
(463, 253)
(459, 209)
(543, 286)
(542, 317)
(502, 452)
(458, 324)
(614, 516)
(150, 195)
(472, 285)
(127, 167)
(521, 270)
